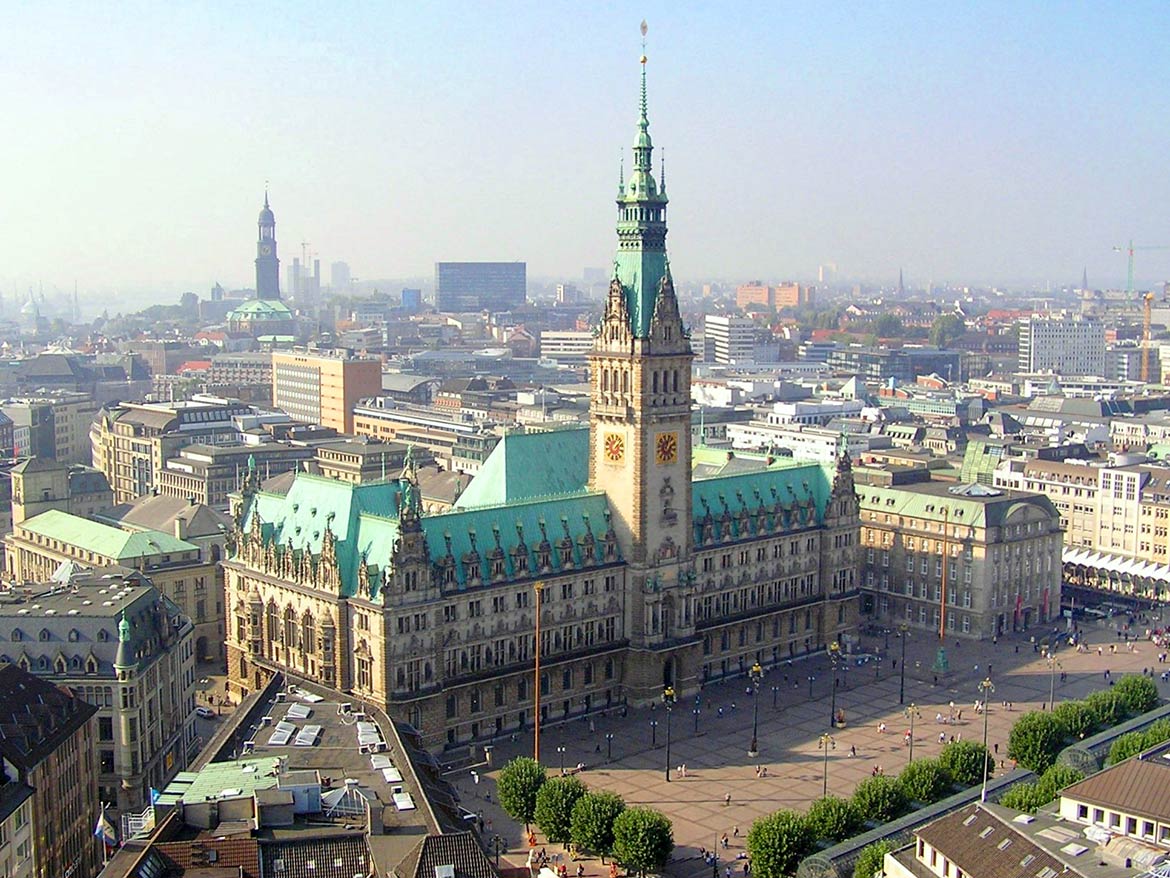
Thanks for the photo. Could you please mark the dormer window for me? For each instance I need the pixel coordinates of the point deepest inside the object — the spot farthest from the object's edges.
(44, 635)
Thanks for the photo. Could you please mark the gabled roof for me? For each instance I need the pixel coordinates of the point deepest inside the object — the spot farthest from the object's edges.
(980, 842)
(160, 512)
(35, 716)
(1139, 786)
(457, 849)
(329, 857)
(103, 540)
(527, 465)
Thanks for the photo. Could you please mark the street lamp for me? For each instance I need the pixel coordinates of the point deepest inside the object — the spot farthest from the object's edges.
(985, 689)
(498, 845)
(877, 668)
(696, 711)
(912, 712)
(811, 680)
(609, 746)
(775, 692)
(653, 733)
(668, 703)
(826, 743)
(834, 658)
(903, 630)
(1053, 664)
(561, 755)
(756, 674)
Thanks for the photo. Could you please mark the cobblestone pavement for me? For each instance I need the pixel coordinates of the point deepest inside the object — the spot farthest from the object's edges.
(790, 725)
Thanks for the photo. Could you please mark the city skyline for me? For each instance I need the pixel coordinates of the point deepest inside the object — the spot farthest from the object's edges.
(991, 145)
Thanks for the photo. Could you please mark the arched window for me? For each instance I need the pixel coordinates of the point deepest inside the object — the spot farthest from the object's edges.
(308, 633)
(44, 635)
(17, 634)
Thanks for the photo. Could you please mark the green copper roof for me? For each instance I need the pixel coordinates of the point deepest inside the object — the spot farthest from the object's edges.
(573, 515)
(314, 502)
(101, 539)
(527, 465)
(798, 490)
(965, 504)
(641, 264)
(364, 522)
(262, 309)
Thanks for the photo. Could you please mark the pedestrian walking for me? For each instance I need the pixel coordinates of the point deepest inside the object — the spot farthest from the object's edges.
(852, 750)
(735, 831)
(727, 800)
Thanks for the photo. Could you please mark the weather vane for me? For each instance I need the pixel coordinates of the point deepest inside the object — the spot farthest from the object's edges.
(644, 29)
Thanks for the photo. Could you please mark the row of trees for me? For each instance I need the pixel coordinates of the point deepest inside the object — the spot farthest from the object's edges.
(1037, 737)
(595, 822)
(778, 842)
(1133, 743)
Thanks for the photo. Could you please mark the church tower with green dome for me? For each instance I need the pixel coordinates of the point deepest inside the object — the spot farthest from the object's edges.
(640, 403)
(267, 263)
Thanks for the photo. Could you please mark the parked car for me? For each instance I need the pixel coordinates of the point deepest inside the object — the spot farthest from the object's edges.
(205, 712)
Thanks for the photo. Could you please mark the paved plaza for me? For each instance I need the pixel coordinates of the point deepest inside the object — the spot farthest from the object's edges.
(716, 758)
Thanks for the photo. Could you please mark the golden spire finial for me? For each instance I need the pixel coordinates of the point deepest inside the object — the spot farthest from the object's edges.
(644, 29)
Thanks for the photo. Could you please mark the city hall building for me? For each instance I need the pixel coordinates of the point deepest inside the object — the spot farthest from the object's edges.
(637, 572)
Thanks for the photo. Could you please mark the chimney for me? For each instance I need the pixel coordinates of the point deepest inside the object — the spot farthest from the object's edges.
(180, 529)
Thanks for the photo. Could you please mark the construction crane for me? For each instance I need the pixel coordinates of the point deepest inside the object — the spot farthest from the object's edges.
(1147, 302)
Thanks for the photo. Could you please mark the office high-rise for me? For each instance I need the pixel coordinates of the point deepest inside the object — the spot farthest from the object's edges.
(480, 286)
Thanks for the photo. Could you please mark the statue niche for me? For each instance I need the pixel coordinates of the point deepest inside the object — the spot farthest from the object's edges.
(666, 496)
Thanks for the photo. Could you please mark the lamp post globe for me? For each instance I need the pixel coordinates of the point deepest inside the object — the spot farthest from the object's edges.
(834, 659)
(668, 699)
(756, 674)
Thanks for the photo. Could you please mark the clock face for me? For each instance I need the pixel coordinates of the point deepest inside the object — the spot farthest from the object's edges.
(666, 448)
(265, 250)
(615, 447)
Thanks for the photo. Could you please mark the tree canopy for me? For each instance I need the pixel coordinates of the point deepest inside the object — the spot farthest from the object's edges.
(778, 842)
(642, 840)
(592, 822)
(519, 782)
(554, 807)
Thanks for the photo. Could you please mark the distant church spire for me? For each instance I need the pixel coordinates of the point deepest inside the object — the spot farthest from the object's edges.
(901, 285)
(1085, 278)
(267, 262)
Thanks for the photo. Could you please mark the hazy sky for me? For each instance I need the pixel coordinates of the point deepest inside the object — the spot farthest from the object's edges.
(970, 142)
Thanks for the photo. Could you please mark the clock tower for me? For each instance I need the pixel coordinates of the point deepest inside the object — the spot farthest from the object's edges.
(640, 393)
(267, 264)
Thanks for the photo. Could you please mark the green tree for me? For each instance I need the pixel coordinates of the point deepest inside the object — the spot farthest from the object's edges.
(1107, 708)
(554, 807)
(1035, 740)
(1126, 746)
(924, 781)
(1031, 797)
(888, 326)
(642, 840)
(880, 798)
(1078, 719)
(945, 329)
(1057, 777)
(592, 824)
(1028, 797)
(778, 842)
(519, 782)
(963, 761)
(833, 818)
(871, 859)
(1157, 732)
(1138, 693)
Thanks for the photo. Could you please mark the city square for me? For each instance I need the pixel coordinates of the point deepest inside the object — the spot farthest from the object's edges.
(790, 730)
